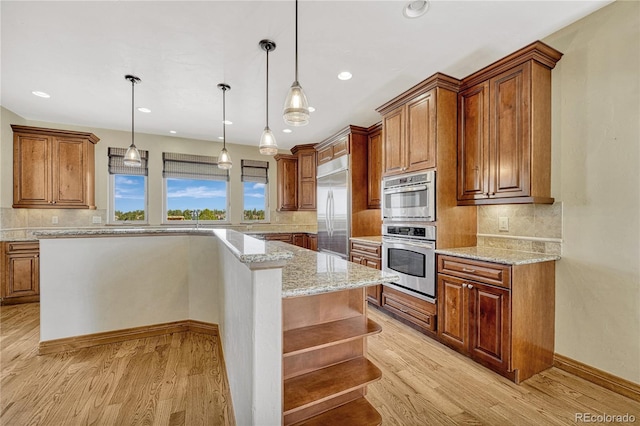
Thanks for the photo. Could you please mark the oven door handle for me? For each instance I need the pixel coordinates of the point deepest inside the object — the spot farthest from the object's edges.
(396, 241)
(406, 189)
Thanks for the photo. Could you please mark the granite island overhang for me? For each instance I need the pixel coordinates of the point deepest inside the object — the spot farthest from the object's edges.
(112, 282)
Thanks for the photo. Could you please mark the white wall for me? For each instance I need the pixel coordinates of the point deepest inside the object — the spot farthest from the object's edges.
(596, 162)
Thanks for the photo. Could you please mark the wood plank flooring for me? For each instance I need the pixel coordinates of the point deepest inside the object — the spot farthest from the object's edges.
(426, 383)
(178, 380)
(175, 379)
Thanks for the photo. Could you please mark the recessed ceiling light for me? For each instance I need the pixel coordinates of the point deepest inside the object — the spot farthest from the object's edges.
(415, 9)
(143, 109)
(41, 94)
(287, 131)
(173, 132)
(227, 122)
(311, 109)
(220, 137)
(345, 75)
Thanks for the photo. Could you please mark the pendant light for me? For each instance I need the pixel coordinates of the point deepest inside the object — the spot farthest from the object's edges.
(296, 107)
(268, 145)
(224, 159)
(132, 156)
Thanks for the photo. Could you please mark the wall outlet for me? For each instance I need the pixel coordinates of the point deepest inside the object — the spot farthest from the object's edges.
(97, 219)
(503, 223)
(54, 220)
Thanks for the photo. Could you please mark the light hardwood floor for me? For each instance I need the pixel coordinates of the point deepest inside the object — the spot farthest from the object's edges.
(178, 380)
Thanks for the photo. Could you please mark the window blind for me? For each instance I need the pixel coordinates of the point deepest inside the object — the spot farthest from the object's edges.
(255, 171)
(116, 162)
(188, 166)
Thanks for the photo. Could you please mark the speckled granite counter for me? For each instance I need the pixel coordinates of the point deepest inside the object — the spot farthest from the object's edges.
(304, 273)
(507, 257)
(377, 239)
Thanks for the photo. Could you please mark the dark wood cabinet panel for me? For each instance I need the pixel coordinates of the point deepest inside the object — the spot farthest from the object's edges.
(20, 274)
(374, 164)
(368, 254)
(453, 313)
(421, 132)
(306, 176)
(393, 148)
(53, 168)
(287, 166)
(312, 242)
(416, 311)
(504, 130)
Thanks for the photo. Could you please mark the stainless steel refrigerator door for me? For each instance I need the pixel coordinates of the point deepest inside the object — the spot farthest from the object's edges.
(333, 213)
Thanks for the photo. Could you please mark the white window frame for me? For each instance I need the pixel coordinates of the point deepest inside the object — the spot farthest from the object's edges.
(111, 211)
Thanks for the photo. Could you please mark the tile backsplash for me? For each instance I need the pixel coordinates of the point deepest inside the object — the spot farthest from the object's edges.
(532, 227)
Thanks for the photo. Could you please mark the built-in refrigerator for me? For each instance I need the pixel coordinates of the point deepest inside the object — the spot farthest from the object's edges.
(334, 207)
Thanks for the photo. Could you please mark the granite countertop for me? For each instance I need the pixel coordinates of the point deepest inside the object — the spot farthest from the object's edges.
(311, 272)
(304, 272)
(372, 239)
(496, 255)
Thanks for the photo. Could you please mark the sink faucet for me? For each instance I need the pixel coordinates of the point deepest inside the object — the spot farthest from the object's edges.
(195, 214)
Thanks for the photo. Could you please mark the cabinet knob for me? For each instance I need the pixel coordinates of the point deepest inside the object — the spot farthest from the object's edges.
(464, 285)
(36, 256)
(470, 286)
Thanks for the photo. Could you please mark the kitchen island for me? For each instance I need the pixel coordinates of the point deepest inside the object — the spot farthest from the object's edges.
(289, 319)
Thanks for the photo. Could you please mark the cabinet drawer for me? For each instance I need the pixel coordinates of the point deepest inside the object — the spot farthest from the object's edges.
(20, 247)
(371, 249)
(417, 311)
(341, 147)
(484, 272)
(325, 155)
(287, 238)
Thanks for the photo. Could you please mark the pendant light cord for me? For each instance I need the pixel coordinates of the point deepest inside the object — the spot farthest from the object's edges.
(224, 118)
(133, 107)
(267, 117)
(296, 40)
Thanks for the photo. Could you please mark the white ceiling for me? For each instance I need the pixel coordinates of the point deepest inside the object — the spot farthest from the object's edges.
(79, 52)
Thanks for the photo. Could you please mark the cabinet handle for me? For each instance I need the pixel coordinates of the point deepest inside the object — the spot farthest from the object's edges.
(470, 286)
(36, 256)
(471, 271)
(464, 285)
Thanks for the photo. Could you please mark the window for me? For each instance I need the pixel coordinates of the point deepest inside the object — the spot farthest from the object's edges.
(127, 188)
(194, 188)
(255, 179)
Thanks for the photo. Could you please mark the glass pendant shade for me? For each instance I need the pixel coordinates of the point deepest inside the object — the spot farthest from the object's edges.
(268, 144)
(224, 160)
(132, 157)
(296, 107)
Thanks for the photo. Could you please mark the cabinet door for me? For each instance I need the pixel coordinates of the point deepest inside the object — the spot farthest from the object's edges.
(453, 313)
(69, 171)
(325, 155)
(313, 242)
(307, 180)
(374, 294)
(510, 128)
(473, 142)
(31, 170)
(490, 325)
(22, 275)
(393, 149)
(287, 184)
(299, 240)
(374, 170)
(421, 132)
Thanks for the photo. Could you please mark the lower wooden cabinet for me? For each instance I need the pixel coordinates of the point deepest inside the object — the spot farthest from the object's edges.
(20, 272)
(300, 239)
(417, 311)
(368, 253)
(502, 316)
(312, 241)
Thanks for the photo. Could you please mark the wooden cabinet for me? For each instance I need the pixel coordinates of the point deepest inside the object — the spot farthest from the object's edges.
(53, 168)
(504, 130)
(280, 236)
(368, 253)
(287, 166)
(374, 166)
(20, 272)
(410, 134)
(325, 365)
(416, 311)
(329, 150)
(306, 179)
(312, 242)
(501, 316)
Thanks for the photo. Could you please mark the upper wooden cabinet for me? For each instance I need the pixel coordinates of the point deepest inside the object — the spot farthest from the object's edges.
(374, 166)
(287, 182)
(53, 168)
(410, 126)
(504, 130)
(306, 183)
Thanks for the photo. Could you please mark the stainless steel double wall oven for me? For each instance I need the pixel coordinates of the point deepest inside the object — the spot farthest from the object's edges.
(408, 232)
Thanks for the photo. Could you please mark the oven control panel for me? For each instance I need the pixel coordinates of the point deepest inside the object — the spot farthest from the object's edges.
(422, 232)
